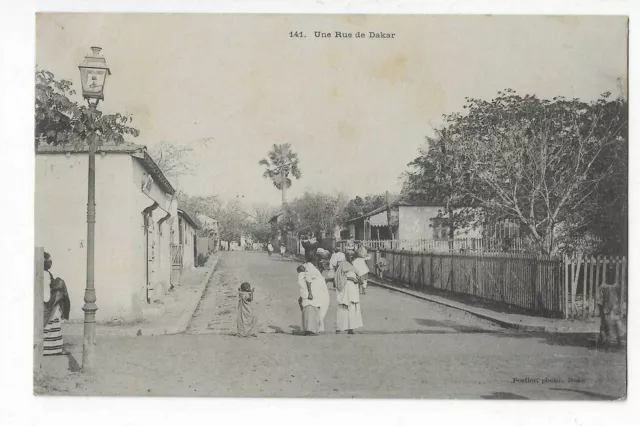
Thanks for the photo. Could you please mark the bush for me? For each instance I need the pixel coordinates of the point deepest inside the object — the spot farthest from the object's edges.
(202, 259)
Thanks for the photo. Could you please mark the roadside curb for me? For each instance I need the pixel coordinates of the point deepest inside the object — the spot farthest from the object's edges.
(179, 327)
(495, 318)
(183, 323)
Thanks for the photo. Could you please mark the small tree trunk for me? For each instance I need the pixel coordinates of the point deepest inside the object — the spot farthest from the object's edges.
(452, 229)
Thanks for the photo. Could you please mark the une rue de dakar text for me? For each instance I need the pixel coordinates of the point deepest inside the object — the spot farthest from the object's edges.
(340, 34)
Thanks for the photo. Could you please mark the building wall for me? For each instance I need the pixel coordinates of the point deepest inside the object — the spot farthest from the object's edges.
(189, 233)
(60, 227)
(352, 230)
(415, 221)
(159, 259)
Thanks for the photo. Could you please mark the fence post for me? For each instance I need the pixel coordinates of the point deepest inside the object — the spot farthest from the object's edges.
(431, 284)
(535, 282)
(38, 309)
(566, 287)
(623, 288)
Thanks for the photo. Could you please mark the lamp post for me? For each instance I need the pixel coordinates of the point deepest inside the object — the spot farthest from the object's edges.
(93, 74)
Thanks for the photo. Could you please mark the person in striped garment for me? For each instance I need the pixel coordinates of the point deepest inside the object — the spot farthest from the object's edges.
(55, 310)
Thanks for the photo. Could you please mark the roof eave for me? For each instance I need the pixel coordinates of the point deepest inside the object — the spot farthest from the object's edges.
(151, 166)
(188, 218)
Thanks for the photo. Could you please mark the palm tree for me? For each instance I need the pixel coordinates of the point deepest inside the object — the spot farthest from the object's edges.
(281, 164)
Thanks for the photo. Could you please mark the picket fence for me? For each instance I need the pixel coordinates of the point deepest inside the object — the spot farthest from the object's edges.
(541, 285)
(582, 277)
(515, 245)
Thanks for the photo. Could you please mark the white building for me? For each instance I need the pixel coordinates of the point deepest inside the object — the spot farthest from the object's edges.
(136, 220)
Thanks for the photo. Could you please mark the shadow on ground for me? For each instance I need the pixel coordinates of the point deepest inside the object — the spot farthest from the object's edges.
(589, 394)
(503, 395)
(582, 340)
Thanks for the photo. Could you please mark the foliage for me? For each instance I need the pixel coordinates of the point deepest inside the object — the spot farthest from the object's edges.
(318, 213)
(260, 228)
(281, 163)
(359, 206)
(541, 163)
(176, 159)
(202, 259)
(433, 180)
(197, 205)
(234, 221)
(59, 120)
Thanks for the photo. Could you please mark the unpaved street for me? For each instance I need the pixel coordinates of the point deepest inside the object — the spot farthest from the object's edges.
(408, 348)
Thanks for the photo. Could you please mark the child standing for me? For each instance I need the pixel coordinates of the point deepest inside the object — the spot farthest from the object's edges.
(247, 320)
(381, 266)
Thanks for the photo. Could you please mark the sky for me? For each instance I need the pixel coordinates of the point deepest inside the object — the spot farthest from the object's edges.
(355, 110)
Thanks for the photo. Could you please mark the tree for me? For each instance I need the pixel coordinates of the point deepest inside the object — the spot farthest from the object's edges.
(172, 159)
(541, 163)
(197, 205)
(260, 228)
(233, 220)
(319, 213)
(281, 163)
(359, 206)
(175, 159)
(59, 120)
(433, 181)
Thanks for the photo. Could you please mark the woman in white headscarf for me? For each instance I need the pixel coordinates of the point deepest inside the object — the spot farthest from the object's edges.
(349, 314)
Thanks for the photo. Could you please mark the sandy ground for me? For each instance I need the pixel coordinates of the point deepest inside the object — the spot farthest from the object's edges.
(408, 348)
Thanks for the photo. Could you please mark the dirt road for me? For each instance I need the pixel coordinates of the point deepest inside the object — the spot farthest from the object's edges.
(408, 348)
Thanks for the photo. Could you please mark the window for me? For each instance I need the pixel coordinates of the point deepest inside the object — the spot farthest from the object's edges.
(180, 232)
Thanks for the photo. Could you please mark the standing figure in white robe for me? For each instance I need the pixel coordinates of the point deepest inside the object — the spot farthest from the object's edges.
(363, 270)
(318, 289)
(336, 257)
(349, 314)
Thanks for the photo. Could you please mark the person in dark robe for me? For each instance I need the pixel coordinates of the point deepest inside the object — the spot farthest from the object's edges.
(56, 309)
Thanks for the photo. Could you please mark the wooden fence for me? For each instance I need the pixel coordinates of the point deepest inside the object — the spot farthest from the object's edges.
(464, 245)
(545, 286)
(582, 277)
(529, 282)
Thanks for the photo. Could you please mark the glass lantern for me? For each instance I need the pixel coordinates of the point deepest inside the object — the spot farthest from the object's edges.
(93, 74)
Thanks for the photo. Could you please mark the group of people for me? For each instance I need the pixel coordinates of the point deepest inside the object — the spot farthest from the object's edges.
(347, 271)
(270, 249)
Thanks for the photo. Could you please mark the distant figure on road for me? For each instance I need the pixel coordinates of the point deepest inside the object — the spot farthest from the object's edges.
(283, 249)
(247, 320)
(349, 315)
(270, 248)
(381, 265)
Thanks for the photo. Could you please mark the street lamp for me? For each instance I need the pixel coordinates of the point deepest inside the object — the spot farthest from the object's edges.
(93, 74)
